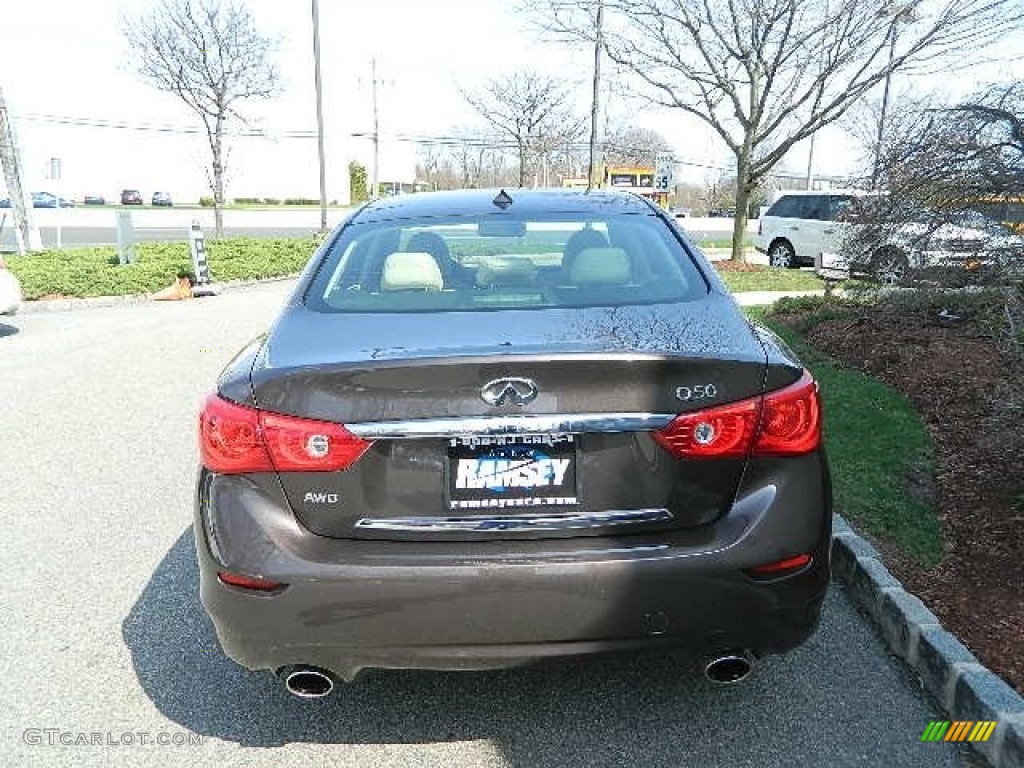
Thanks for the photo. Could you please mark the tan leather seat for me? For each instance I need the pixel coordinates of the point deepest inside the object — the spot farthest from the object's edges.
(411, 271)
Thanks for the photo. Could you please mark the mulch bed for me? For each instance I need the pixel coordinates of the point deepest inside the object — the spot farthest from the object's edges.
(970, 394)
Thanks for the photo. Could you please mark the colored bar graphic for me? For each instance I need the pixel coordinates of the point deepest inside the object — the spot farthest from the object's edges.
(958, 730)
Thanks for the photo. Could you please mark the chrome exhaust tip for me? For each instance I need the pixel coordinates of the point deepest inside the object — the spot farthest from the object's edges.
(730, 667)
(307, 682)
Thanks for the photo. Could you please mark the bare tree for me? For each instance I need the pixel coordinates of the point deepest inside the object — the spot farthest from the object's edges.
(903, 117)
(208, 54)
(766, 74)
(955, 178)
(532, 110)
(634, 146)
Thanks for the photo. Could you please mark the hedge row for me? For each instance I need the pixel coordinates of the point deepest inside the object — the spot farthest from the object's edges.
(207, 202)
(84, 272)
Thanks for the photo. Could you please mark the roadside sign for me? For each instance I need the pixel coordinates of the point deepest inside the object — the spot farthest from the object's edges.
(197, 245)
(53, 173)
(664, 172)
(125, 238)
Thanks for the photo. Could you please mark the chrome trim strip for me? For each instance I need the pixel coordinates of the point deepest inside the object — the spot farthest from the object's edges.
(523, 522)
(555, 423)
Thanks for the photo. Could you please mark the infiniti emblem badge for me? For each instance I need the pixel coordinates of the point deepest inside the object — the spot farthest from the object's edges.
(511, 390)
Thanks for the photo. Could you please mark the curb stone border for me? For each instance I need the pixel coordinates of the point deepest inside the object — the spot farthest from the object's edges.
(964, 688)
(96, 302)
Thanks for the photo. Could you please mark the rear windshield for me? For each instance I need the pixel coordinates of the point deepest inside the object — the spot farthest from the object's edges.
(498, 261)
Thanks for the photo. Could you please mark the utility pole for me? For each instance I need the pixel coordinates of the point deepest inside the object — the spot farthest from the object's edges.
(319, 117)
(810, 164)
(595, 103)
(26, 234)
(877, 166)
(375, 181)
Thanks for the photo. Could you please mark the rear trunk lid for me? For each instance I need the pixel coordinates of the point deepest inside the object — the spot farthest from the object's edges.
(510, 424)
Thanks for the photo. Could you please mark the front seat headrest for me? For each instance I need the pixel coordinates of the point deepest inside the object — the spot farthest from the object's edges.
(411, 271)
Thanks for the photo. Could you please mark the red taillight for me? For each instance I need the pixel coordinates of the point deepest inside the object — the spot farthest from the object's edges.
(789, 564)
(234, 439)
(230, 438)
(248, 582)
(715, 433)
(790, 420)
(786, 422)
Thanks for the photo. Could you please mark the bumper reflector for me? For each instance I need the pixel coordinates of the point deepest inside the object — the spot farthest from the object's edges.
(248, 582)
(789, 564)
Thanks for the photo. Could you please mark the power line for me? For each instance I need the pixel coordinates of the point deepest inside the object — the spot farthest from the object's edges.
(442, 140)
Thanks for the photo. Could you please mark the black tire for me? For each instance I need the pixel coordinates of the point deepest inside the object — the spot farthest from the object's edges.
(889, 266)
(781, 254)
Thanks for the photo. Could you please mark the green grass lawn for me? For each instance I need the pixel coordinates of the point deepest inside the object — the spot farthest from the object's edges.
(875, 442)
(771, 279)
(718, 242)
(82, 272)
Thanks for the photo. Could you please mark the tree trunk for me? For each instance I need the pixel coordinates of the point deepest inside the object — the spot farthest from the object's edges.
(739, 222)
(218, 179)
(522, 164)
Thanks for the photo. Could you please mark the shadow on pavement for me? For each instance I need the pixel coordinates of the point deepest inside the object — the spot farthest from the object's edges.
(652, 710)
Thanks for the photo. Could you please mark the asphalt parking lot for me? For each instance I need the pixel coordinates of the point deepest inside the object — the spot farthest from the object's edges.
(103, 634)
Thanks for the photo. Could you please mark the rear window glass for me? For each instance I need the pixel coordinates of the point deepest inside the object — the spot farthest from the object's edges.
(493, 262)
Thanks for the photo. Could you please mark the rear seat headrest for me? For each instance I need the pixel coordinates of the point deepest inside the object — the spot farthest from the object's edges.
(506, 270)
(601, 266)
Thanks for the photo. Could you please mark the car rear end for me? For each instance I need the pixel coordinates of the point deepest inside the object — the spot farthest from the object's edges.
(555, 435)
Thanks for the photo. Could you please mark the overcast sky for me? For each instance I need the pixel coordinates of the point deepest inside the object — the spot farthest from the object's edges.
(67, 58)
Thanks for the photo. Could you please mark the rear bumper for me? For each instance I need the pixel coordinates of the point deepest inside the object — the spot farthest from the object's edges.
(351, 605)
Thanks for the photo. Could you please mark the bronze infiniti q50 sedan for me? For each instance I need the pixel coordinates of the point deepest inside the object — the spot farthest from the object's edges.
(490, 428)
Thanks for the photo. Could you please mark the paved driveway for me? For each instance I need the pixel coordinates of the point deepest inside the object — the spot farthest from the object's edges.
(103, 635)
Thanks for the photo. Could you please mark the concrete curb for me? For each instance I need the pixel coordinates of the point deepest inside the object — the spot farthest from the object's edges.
(964, 688)
(96, 302)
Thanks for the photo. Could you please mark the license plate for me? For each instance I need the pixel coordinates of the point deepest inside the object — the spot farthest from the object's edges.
(520, 471)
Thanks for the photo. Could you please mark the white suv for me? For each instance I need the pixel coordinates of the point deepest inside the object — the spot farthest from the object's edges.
(800, 225)
(810, 228)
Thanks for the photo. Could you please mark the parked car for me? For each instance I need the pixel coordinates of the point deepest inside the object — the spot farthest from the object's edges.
(681, 213)
(162, 199)
(131, 197)
(50, 200)
(10, 290)
(492, 428)
(801, 226)
(5, 202)
(94, 200)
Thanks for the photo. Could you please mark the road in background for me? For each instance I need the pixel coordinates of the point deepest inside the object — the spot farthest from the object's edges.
(96, 226)
(103, 633)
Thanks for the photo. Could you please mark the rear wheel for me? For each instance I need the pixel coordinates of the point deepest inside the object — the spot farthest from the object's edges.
(781, 254)
(889, 266)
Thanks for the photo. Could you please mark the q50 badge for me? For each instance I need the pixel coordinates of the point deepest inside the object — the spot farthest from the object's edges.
(696, 392)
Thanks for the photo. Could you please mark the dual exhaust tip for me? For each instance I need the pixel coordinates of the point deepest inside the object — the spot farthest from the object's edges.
(729, 667)
(308, 682)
